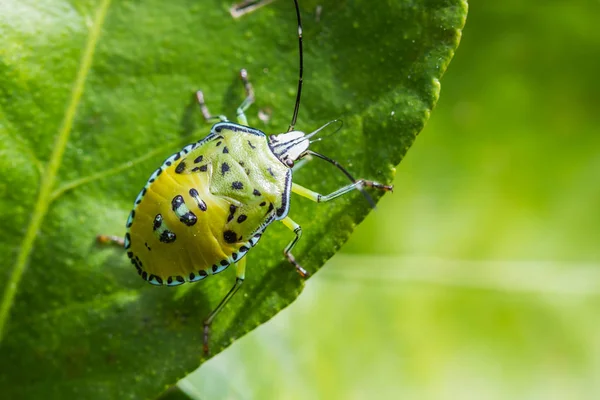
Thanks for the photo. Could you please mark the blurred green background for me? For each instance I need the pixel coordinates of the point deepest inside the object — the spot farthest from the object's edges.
(479, 277)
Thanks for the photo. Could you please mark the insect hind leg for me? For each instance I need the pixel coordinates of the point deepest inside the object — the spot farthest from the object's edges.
(241, 116)
(204, 109)
(110, 240)
(240, 273)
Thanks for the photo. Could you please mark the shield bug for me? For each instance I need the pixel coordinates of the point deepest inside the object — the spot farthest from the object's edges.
(207, 205)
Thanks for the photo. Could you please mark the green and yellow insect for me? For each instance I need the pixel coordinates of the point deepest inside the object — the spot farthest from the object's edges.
(207, 205)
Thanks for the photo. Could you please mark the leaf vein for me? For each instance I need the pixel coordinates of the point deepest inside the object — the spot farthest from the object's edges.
(44, 195)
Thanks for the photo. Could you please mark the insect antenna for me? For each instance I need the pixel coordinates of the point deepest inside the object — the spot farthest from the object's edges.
(345, 172)
(301, 69)
(323, 127)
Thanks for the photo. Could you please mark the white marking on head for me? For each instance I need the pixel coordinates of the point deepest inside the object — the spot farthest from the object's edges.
(291, 145)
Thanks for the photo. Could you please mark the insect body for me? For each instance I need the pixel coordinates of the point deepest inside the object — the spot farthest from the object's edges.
(207, 205)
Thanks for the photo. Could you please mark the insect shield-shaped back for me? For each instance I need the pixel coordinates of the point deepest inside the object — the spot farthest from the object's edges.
(207, 205)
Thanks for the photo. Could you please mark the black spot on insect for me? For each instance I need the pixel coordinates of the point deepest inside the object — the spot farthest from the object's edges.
(244, 249)
(177, 157)
(127, 240)
(195, 169)
(168, 163)
(158, 171)
(192, 276)
(198, 159)
(225, 150)
(270, 171)
(232, 210)
(159, 280)
(145, 275)
(177, 202)
(180, 167)
(264, 203)
(129, 254)
(138, 201)
(130, 219)
(224, 263)
(237, 185)
(251, 145)
(201, 204)
(148, 247)
(151, 180)
(270, 207)
(167, 237)
(151, 277)
(202, 273)
(224, 168)
(241, 218)
(214, 268)
(189, 218)
(157, 222)
(256, 192)
(230, 236)
(180, 278)
(234, 256)
(203, 168)
(170, 280)
(218, 129)
(219, 143)
(241, 163)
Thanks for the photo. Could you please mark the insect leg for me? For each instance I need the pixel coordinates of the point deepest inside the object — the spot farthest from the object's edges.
(301, 162)
(288, 222)
(240, 272)
(321, 198)
(241, 117)
(204, 109)
(112, 240)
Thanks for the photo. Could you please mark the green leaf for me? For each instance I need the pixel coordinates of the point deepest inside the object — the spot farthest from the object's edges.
(94, 96)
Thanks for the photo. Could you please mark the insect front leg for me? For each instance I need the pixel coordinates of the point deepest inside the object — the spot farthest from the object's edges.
(111, 240)
(321, 198)
(293, 226)
(240, 272)
(241, 117)
(301, 163)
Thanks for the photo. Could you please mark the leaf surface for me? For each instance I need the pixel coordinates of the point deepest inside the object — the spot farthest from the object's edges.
(95, 94)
